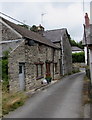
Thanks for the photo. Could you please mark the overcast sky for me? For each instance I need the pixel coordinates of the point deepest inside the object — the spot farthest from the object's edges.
(66, 14)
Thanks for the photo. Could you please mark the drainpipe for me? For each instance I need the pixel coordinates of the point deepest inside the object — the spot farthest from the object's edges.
(91, 65)
(60, 59)
(53, 62)
(86, 48)
(62, 54)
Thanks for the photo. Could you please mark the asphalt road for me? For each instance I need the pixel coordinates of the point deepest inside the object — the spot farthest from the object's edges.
(61, 100)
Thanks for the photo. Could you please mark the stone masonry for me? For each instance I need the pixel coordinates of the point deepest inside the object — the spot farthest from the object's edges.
(35, 58)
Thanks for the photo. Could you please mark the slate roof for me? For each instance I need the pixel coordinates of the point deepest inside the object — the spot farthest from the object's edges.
(75, 48)
(30, 34)
(54, 35)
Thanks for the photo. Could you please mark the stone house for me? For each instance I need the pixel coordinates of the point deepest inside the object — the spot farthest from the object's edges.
(87, 42)
(32, 57)
(60, 37)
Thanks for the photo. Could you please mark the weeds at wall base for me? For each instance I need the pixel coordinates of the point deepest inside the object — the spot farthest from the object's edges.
(10, 102)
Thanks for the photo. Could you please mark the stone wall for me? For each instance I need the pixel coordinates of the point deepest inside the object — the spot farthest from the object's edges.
(36, 54)
(17, 56)
(30, 55)
(8, 33)
(9, 45)
(67, 55)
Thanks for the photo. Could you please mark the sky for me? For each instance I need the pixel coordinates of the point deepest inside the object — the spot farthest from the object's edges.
(58, 14)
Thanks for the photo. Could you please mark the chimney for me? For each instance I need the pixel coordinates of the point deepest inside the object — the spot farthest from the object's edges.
(40, 29)
(91, 12)
(86, 20)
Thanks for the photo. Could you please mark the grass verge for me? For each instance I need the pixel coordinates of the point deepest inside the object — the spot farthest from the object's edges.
(87, 99)
(10, 102)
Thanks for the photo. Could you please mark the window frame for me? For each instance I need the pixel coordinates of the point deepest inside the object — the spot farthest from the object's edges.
(37, 72)
(56, 68)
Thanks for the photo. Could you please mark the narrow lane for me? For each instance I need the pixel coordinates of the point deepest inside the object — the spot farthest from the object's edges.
(61, 100)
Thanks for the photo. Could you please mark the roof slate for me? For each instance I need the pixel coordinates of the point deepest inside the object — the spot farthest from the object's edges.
(54, 35)
(75, 48)
(30, 34)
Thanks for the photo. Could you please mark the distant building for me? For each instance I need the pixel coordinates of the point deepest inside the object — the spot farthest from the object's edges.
(87, 42)
(76, 49)
(60, 37)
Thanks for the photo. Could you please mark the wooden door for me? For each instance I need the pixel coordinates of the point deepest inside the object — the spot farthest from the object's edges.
(21, 77)
(48, 73)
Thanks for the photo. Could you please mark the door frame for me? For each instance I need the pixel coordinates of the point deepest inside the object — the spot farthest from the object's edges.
(48, 69)
(23, 80)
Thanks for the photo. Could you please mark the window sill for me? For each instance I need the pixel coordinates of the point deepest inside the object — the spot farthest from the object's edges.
(39, 77)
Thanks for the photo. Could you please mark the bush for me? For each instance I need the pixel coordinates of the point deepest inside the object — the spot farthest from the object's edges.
(4, 71)
(5, 78)
(48, 78)
(78, 57)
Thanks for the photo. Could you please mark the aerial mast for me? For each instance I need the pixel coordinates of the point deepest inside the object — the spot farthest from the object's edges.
(42, 17)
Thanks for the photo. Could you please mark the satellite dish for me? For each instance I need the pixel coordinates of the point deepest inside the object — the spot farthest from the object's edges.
(31, 42)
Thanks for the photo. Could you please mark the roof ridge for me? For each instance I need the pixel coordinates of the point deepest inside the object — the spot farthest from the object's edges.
(29, 34)
(56, 29)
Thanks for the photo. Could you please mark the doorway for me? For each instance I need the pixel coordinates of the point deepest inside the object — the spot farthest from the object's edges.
(48, 73)
(22, 76)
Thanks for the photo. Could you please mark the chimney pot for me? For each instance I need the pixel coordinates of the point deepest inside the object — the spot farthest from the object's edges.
(86, 20)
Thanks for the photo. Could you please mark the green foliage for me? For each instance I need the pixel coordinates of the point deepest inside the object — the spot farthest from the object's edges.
(5, 75)
(74, 43)
(1, 69)
(5, 54)
(34, 28)
(25, 26)
(10, 102)
(48, 78)
(78, 57)
(4, 71)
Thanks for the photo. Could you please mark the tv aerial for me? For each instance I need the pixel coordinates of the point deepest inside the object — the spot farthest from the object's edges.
(42, 15)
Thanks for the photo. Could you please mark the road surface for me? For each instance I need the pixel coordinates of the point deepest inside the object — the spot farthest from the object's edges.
(61, 100)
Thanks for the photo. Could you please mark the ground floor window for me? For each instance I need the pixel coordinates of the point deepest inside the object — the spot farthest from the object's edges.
(39, 71)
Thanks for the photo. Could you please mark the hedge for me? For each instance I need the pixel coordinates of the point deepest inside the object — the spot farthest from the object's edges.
(78, 57)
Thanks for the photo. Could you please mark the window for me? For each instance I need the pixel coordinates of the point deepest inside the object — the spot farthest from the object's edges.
(20, 69)
(55, 67)
(39, 69)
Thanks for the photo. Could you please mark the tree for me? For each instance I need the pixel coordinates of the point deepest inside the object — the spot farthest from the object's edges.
(74, 43)
(34, 28)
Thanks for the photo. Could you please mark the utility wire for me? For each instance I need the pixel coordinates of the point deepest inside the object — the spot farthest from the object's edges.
(13, 18)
